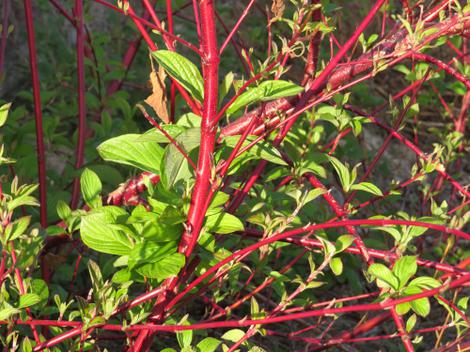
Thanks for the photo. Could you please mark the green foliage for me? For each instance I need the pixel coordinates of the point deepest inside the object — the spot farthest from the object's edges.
(182, 70)
(266, 91)
(90, 262)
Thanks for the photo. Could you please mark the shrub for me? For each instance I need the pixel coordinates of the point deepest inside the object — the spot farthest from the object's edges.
(292, 177)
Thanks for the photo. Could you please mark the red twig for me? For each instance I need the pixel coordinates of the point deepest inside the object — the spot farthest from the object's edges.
(401, 330)
(81, 89)
(3, 39)
(37, 112)
(236, 26)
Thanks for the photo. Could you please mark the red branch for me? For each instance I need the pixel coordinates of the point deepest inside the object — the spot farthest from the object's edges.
(37, 112)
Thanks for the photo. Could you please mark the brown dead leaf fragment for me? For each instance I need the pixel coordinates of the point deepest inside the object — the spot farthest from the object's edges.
(158, 99)
(278, 8)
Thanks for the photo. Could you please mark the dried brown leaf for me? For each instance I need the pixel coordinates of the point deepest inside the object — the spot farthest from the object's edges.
(158, 99)
(278, 8)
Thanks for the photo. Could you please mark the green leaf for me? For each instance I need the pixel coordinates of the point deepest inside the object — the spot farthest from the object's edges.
(233, 335)
(182, 70)
(342, 172)
(23, 197)
(4, 109)
(95, 276)
(425, 282)
(17, 228)
(184, 337)
(223, 223)
(209, 344)
(91, 188)
(28, 300)
(121, 276)
(189, 120)
(40, 288)
(175, 165)
(383, 273)
(7, 312)
(313, 194)
(161, 232)
(63, 210)
(420, 306)
(163, 269)
(129, 150)
(343, 242)
(392, 231)
(336, 266)
(411, 322)
(219, 199)
(261, 149)
(367, 187)
(150, 252)
(266, 91)
(404, 268)
(403, 308)
(26, 345)
(225, 86)
(156, 136)
(98, 233)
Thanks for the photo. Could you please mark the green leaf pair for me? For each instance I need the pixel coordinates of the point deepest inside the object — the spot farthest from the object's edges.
(347, 178)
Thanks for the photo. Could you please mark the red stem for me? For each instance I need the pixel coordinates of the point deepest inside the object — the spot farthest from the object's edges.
(81, 89)
(443, 66)
(204, 177)
(37, 112)
(401, 330)
(3, 40)
(237, 26)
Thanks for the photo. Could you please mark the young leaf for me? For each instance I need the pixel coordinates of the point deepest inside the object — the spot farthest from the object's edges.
(98, 233)
(4, 113)
(404, 269)
(313, 194)
(223, 223)
(384, 274)
(343, 242)
(7, 312)
(209, 344)
(336, 266)
(17, 228)
(128, 149)
(63, 210)
(233, 335)
(367, 187)
(182, 70)
(343, 173)
(267, 90)
(410, 323)
(91, 188)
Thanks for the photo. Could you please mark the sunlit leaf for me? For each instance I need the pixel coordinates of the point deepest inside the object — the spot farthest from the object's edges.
(182, 70)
